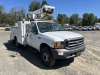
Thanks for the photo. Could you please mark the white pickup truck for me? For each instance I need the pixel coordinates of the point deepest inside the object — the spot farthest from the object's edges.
(49, 39)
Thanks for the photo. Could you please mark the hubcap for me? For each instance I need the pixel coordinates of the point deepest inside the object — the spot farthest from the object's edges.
(45, 57)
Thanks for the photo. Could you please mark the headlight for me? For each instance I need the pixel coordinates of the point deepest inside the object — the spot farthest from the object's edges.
(59, 45)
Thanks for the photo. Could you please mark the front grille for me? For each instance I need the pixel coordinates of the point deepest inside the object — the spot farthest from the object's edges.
(74, 43)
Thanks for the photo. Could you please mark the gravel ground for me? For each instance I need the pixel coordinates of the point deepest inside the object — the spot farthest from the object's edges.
(14, 61)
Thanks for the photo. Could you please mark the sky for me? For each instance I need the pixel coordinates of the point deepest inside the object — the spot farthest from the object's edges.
(67, 7)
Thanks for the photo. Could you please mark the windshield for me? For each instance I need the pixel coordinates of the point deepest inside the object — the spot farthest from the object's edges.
(48, 27)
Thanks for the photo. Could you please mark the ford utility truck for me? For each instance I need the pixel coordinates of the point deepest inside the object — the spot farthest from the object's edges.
(48, 38)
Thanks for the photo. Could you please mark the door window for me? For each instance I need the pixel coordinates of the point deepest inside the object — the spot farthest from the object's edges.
(28, 28)
(34, 28)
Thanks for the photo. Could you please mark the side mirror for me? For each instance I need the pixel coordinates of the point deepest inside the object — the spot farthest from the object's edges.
(36, 32)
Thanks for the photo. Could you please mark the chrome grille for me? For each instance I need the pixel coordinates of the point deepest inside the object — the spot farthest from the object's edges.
(70, 44)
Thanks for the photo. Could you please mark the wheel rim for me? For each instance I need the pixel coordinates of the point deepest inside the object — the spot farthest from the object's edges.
(45, 57)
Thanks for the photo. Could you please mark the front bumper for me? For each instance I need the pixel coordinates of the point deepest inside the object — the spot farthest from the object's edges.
(64, 53)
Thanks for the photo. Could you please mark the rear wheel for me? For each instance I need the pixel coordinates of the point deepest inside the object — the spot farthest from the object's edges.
(16, 43)
(47, 57)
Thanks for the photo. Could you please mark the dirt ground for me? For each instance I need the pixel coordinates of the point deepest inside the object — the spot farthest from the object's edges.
(14, 61)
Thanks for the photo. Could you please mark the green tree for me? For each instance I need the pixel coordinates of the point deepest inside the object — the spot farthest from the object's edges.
(85, 21)
(88, 19)
(67, 19)
(44, 2)
(18, 14)
(80, 22)
(13, 13)
(96, 19)
(21, 13)
(7, 19)
(91, 19)
(99, 20)
(1, 9)
(62, 19)
(34, 6)
(0, 18)
(74, 19)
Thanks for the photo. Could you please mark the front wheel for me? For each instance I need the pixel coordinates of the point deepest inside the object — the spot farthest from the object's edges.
(47, 57)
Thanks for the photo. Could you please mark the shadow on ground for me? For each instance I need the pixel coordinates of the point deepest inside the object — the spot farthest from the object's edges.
(34, 58)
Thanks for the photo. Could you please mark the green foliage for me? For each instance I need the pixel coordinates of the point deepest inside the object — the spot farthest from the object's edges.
(21, 14)
(1, 9)
(85, 21)
(74, 19)
(96, 19)
(99, 20)
(14, 15)
(88, 19)
(18, 14)
(80, 22)
(13, 12)
(34, 6)
(62, 19)
(91, 19)
(6, 19)
(0, 18)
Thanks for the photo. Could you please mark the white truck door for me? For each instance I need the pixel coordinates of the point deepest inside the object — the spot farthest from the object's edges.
(32, 39)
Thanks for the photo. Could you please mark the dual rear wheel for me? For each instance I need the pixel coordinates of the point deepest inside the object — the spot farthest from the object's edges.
(15, 41)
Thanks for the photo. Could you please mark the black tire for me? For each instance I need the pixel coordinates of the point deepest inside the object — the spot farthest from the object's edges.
(13, 41)
(16, 43)
(71, 59)
(47, 57)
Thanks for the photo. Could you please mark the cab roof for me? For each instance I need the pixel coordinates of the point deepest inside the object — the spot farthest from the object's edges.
(50, 21)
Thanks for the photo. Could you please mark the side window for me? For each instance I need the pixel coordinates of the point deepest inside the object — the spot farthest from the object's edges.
(34, 28)
(28, 28)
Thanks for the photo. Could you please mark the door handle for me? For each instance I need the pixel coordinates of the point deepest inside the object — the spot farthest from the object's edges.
(27, 35)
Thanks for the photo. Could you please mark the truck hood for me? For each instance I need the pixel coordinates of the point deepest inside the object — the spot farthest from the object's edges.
(61, 35)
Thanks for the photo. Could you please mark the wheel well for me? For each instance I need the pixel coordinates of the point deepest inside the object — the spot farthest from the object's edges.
(43, 45)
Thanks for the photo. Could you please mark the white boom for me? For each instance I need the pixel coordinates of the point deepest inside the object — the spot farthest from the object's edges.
(42, 12)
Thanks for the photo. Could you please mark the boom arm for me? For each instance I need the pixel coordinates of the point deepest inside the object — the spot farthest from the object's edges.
(42, 12)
